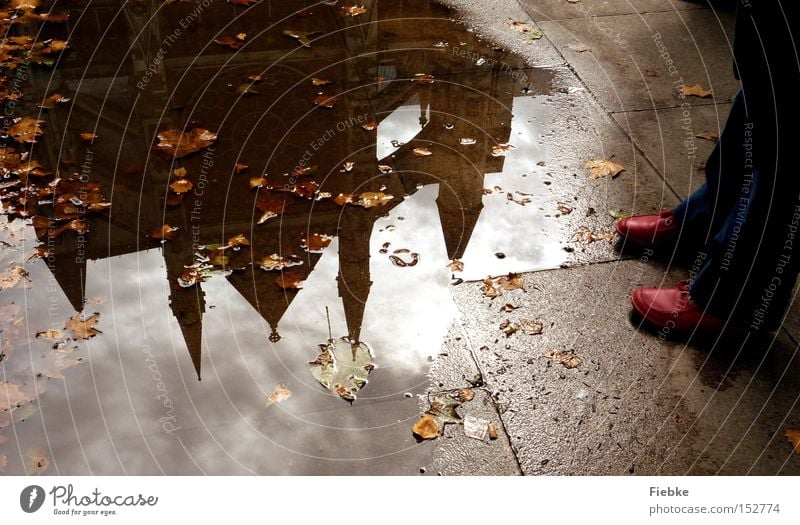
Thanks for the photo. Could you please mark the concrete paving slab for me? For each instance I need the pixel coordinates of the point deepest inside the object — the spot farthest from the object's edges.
(562, 10)
(637, 402)
(638, 62)
(669, 139)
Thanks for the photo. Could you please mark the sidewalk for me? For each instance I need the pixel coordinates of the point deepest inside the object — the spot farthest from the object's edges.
(637, 403)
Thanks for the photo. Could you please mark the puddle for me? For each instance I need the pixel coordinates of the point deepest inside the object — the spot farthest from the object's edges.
(178, 379)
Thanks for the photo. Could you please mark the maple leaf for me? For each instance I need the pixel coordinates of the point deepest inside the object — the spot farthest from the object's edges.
(83, 328)
(26, 129)
(695, 91)
(343, 368)
(166, 232)
(175, 143)
(280, 394)
(603, 168)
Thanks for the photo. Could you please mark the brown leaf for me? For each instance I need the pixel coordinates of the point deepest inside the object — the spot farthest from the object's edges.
(88, 137)
(499, 150)
(175, 143)
(276, 262)
(325, 101)
(509, 328)
(179, 172)
(181, 186)
(354, 10)
(603, 168)
(51, 101)
(281, 393)
(231, 41)
(82, 328)
(26, 129)
(793, 435)
(290, 280)
(568, 359)
(301, 36)
(12, 277)
(425, 428)
(456, 266)
(238, 240)
(708, 135)
(466, 394)
(695, 91)
(316, 242)
(319, 81)
(372, 199)
(423, 78)
(421, 152)
(563, 208)
(489, 289)
(512, 281)
(271, 207)
(166, 232)
(531, 327)
(38, 462)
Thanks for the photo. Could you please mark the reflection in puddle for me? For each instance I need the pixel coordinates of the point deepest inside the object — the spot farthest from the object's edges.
(178, 380)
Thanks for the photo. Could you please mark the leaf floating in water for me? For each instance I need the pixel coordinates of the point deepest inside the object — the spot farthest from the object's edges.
(179, 172)
(499, 150)
(370, 125)
(354, 10)
(300, 36)
(232, 41)
(53, 333)
(603, 168)
(83, 328)
(319, 81)
(290, 280)
(12, 396)
(276, 262)
(793, 436)
(384, 169)
(372, 199)
(246, 89)
(166, 232)
(175, 143)
(280, 394)
(422, 152)
(51, 101)
(466, 141)
(423, 78)
(325, 101)
(456, 265)
(26, 130)
(568, 359)
(271, 207)
(425, 428)
(409, 258)
(88, 137)
(181, 186)
(12, 277)
(347, 167)
(316, 242)
(237, 240)
(191, 275)
(343, 369)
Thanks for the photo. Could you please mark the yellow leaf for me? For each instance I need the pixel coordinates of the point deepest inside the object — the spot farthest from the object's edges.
(281, 393)
(425, 428)
(603, 168)
(695, 91)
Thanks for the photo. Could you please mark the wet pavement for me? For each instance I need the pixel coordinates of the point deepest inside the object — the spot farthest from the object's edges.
(442, 145)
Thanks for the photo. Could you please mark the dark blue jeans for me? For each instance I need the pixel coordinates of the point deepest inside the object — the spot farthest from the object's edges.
(745, 218)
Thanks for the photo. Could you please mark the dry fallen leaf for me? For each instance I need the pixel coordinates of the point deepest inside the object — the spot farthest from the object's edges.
(466, 394)
(492, 431)
(175, 143)
(708, 135)
(456, 266)
(425, 428)
(695, 91)
(354, 10)
(489, 289)
(53, 333)
(512, 281)
(166, 232)
(568, 359)
(82, 328)
(563, 208)
(586, 236)
(281, 393)
(316, 242)
(509, 328)
(793, 435)
(531, 327)
(603, 168)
